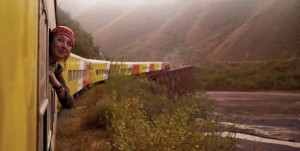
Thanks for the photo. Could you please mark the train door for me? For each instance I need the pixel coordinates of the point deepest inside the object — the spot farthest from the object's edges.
(46, 95)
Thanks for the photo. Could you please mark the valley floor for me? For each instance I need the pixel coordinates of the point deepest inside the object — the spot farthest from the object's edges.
(274, 116)
(267, 115)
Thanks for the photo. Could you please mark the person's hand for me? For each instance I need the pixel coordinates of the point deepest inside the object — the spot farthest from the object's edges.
(53, 79)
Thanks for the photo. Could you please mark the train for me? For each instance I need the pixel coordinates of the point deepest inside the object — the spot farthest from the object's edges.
(80, 72)
(28, 103)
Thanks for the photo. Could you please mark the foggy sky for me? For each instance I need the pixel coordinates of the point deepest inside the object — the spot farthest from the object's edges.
(75, 7)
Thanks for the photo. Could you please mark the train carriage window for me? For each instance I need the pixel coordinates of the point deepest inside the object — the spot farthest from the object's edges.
(69, 75)
(73, 75)
(78, 74)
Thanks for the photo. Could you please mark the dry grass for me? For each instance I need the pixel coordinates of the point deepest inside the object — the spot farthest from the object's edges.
(130, 114)
(73, 135)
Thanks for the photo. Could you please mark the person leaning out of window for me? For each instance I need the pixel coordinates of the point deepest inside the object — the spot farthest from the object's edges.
(62, 41)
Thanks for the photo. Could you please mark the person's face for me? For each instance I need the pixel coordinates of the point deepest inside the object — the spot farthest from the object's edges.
(61, 47)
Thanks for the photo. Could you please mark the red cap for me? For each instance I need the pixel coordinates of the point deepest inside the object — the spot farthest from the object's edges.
(66, 31)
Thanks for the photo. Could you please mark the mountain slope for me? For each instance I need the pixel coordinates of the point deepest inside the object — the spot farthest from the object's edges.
(130, 29)
(192, 31)
(272, 32)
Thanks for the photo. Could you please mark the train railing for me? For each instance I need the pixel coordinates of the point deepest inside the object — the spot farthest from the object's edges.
(179, 82)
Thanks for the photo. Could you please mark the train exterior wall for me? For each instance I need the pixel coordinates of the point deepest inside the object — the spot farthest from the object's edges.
(157, 66)
(76, 73)
(99, 70)
(86, 73)
(18, 89)
(144, 67)
(135, 69)
(125, 68)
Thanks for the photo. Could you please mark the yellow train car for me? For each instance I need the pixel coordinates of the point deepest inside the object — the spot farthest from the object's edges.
(27, 116)
(121, 68)
(155, 66)
(77, 73)
(144, 67)
(99, 70)
(126, 68)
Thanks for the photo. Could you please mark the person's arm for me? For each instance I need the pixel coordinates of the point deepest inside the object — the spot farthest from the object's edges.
(63, 92)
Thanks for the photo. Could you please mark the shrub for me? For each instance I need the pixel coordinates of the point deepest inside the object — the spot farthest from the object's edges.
(139, 116)
(132, 130)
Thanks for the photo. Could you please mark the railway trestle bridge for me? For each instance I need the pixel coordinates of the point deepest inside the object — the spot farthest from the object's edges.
(179, 82)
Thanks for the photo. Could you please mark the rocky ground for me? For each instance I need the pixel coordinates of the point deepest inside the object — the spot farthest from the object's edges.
(274, 116)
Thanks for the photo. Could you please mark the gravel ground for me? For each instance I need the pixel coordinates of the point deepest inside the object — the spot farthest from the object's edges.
(264, 114)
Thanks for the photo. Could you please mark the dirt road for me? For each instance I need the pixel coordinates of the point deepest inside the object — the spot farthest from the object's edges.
(264, 114)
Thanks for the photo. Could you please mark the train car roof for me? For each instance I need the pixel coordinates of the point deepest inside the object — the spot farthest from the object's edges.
(98, 61)
(151, 62)
(78, 57)
(145, 62)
